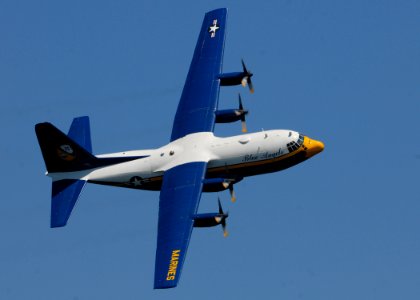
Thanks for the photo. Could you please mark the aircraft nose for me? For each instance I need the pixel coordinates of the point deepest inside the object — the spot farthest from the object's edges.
(312, 146)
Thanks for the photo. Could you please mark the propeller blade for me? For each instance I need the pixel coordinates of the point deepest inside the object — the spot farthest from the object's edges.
(223, 221)
(244, 129)
(225, 232)
(244, 67)
(232, 193)
(220, 206)
(247, 78)
(250, 85)
(241, 109)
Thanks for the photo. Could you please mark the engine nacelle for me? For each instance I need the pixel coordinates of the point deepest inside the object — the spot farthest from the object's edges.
(209, 219)
(218, 184)
(234, 78)
(230, 115)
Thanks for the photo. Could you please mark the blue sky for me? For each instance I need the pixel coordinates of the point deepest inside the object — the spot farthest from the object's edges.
(343, 225)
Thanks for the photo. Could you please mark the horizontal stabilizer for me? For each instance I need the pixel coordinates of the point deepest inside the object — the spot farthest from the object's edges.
(63, 198)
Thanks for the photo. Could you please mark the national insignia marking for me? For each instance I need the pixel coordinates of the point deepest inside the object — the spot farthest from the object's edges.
(212, 29)
(136, 181)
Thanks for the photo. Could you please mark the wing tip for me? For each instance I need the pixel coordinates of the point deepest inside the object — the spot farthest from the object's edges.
(165, 284)
(163, 287)
(222, 10)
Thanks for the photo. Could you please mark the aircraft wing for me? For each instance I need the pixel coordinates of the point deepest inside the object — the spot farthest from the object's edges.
(179, 199)
(182, 185)
(199, 99)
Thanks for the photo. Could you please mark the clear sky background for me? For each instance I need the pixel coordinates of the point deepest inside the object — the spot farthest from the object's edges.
(342, 225)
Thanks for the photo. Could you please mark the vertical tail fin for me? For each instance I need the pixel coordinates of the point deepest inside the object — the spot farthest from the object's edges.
(80, 132)
(72, 152)
(64, 153)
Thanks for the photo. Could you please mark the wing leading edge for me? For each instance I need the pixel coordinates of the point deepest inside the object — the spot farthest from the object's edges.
(200, 95)
(179, 199)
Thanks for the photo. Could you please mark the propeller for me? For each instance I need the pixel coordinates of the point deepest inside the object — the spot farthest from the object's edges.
(223, 217)
(229, 185)
(246, 80)
(242, 112)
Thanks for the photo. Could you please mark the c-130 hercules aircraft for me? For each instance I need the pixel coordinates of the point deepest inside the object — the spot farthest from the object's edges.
(194, 161)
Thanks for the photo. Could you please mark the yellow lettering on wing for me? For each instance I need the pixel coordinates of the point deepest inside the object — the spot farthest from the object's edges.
(173, 265)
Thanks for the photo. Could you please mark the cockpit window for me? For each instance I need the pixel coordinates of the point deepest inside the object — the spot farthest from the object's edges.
(300, 140)
(292, 146)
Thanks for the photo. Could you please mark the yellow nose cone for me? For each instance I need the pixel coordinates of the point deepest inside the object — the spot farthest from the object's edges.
(312, 146)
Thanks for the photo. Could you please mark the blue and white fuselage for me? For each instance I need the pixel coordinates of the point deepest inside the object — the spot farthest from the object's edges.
(232, 157)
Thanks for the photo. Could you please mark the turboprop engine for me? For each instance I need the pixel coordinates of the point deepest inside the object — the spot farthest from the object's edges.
(221, 184)
(233, 115)
(236, 78)
(212, 219)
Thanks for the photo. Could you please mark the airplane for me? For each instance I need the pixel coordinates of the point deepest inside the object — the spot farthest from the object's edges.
(194, 161)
